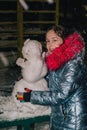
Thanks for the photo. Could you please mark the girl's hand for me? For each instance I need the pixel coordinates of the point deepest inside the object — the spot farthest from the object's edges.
(24, 96)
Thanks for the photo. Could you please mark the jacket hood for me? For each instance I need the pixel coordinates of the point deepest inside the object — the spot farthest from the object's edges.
(71, 46)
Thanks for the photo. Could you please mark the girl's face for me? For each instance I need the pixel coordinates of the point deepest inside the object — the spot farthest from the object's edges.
(52, 41)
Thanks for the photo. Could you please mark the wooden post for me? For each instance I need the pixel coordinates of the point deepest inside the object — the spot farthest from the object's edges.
(20, 26)
(57, 12)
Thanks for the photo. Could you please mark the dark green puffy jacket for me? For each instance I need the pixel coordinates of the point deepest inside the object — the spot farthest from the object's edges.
(67, 96)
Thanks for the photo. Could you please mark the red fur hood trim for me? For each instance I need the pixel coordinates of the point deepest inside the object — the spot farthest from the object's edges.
(72, 45)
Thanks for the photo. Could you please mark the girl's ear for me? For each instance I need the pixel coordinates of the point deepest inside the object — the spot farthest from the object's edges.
(26, 41)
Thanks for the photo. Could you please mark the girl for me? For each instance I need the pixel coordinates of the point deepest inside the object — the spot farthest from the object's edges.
(67, 93)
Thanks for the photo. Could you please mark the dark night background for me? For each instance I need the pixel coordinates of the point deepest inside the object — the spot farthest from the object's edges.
(72, 13)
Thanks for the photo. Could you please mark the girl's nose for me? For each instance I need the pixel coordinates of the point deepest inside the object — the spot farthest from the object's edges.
(51, 44)
(51, 47)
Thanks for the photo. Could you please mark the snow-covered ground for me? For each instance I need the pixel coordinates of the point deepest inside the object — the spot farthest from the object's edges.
(8, 110)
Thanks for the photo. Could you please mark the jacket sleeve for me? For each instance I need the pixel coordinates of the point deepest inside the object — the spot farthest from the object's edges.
(68, 84)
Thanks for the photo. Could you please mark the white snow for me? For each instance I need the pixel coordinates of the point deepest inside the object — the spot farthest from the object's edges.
(9, 111)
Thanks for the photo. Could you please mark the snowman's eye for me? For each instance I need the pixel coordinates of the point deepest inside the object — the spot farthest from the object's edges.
(25, 59)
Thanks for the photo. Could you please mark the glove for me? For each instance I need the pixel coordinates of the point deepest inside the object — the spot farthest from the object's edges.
(24, 96)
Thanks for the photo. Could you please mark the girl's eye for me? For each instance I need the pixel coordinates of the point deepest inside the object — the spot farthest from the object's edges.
(55, 40)
(47, 41)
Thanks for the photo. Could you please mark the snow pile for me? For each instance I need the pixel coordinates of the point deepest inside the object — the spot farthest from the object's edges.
(8, 110)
